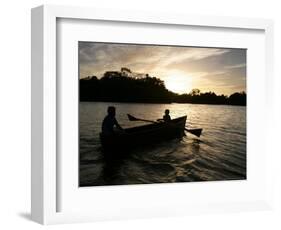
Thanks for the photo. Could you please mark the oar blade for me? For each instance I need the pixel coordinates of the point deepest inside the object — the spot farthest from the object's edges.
(196, 132)
(132, 118)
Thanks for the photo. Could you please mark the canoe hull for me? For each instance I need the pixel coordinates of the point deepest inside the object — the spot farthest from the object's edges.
(144, 135)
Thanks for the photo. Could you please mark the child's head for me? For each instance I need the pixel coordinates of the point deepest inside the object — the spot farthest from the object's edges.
(167, 112)
(111, 111)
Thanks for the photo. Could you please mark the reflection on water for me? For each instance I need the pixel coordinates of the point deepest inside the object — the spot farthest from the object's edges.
(219, 154)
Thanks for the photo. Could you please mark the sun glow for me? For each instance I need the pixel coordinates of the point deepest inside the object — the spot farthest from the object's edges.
(178, 83)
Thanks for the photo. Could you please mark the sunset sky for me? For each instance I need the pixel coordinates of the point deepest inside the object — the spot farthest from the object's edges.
(220, 70)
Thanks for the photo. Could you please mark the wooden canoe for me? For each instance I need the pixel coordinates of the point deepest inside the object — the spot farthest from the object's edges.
(144, 135)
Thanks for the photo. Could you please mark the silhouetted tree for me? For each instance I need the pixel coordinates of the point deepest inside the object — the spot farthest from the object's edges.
(237, 99)
(114, 86)
(195, 92)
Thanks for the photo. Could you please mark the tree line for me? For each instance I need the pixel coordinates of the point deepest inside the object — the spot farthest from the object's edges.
(117, 87)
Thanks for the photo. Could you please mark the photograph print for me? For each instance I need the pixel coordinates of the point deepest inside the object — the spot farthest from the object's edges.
(161, 114)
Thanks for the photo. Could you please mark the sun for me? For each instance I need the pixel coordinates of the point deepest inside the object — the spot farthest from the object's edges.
(179, 83)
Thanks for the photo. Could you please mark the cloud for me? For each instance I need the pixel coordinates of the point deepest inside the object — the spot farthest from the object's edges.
(100, 57)
(204, 66)
(242, 65)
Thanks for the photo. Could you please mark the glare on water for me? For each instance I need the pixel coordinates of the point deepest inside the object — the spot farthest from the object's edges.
(219, 154)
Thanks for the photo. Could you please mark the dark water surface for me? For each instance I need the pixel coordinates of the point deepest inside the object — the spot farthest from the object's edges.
(219, 154)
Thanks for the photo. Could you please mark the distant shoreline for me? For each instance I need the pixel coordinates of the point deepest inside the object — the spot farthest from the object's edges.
(131, 102)
(116, 87)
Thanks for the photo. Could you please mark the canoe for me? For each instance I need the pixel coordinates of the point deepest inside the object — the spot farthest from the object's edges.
(144, 135)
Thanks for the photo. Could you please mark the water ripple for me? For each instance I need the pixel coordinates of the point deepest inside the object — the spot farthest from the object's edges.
(219, 154)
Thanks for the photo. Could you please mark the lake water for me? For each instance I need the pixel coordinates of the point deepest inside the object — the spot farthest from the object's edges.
(219, 154)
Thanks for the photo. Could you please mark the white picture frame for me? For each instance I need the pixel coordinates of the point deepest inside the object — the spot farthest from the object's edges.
(45, 162)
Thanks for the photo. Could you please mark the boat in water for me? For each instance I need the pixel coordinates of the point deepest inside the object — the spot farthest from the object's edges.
(144, 135)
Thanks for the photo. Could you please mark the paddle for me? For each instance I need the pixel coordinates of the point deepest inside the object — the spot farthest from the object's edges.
(132, 118)
(196, 132)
